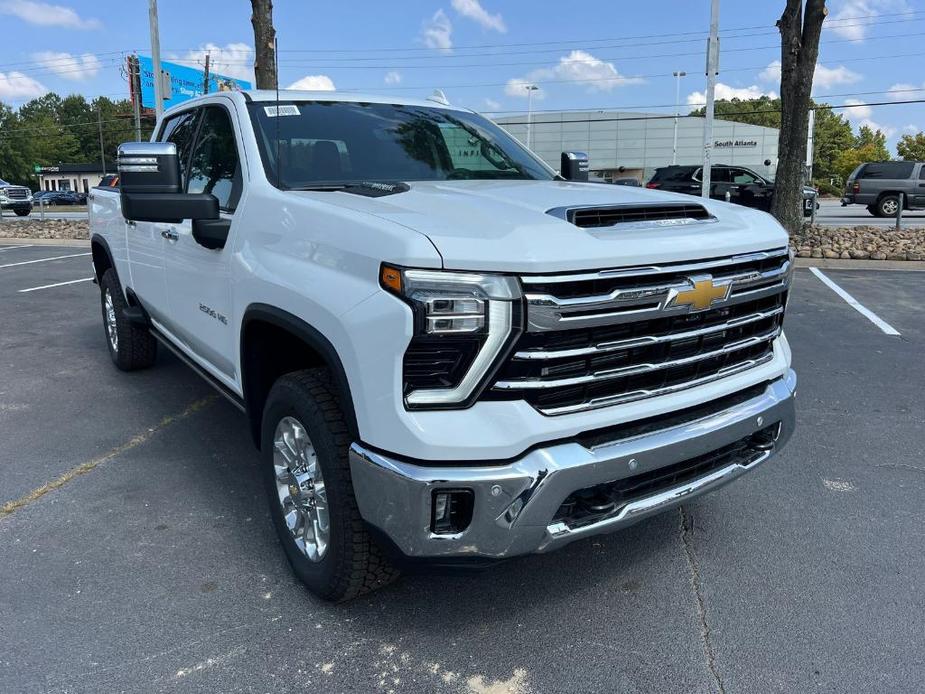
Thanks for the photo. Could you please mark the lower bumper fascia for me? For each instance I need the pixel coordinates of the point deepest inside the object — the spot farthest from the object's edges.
(516, 504)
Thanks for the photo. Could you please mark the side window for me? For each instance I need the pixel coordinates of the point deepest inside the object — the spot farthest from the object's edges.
(922, 173)
(719, 175)
(743, 177)
(889, 169)
(214, 166)
(180, 130)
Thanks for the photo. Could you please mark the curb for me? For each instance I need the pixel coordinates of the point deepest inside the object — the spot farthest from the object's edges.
(839, 264)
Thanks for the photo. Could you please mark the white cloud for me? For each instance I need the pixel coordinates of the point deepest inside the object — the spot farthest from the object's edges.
(912, 129)
(392, 77)
(474, 11)
(314, 83)
(580, 67)
(726, 92)
(233, 60)
(854, 18)
(45, 14)
(887, 130)
(491, 104)
(824, 77)
(860, 113)
(517, 86)
(437, 32)
(903, 90)
(857, 109)
(70, 67)
(17, 86)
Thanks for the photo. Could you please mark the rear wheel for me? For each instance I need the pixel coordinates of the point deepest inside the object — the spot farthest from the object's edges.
(872, 209)
(887, 206)
(305, 440)
(22, 212)
(131, 346)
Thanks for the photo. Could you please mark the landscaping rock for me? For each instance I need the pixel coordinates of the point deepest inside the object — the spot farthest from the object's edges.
(49, 229)
(859, 243)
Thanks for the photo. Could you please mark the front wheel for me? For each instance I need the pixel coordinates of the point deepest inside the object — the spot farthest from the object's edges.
(22, 212)
(305, 440)
(130, 346)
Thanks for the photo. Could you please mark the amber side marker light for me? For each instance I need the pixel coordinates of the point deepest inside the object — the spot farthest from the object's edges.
(390, 278)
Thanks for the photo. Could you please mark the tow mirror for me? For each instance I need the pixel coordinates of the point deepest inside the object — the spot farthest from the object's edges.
(574, 166)
(151, 188)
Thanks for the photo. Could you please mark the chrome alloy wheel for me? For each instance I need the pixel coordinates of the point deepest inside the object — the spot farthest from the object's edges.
(111, 329)
(889, 207)
(300, 488)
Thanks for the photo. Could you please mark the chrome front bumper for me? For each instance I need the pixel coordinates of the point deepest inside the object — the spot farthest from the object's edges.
(515, 504)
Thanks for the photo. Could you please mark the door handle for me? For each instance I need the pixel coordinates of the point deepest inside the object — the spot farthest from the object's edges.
(170, 235)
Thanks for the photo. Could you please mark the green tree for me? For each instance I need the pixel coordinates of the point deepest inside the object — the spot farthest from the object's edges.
(911, 147)
(849, 159)
(875, 141)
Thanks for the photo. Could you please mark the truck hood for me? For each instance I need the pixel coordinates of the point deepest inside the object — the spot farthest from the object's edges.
(506, 225)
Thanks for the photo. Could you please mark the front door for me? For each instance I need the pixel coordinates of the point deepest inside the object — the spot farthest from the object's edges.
(146, 241)
(198, 278)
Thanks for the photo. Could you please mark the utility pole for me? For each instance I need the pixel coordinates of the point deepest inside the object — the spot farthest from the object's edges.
(677, 112)
(205, 77)
(99, 116)
(712, 69)
(135, 75)
(156, 59)
(530, 89)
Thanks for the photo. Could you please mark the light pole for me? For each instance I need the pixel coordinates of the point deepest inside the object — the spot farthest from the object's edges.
(677, 112)
(530, 89)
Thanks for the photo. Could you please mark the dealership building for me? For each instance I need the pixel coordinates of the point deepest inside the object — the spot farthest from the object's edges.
(79, 178)
(624, 144)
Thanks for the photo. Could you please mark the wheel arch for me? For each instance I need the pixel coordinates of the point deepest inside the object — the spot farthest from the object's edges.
(294, 344)
(102, 257)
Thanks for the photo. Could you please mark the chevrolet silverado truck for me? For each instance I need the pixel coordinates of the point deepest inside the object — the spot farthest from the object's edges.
(446, 352)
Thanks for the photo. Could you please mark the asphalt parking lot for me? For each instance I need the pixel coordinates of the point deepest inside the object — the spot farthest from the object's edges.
(138, 554)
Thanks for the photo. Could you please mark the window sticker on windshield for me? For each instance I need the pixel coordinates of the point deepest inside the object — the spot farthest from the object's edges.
(281, 110)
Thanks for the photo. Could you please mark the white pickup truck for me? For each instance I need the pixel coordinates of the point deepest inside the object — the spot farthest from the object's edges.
(445, 350)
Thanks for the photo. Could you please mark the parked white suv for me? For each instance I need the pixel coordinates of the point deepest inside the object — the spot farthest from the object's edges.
(445, 350)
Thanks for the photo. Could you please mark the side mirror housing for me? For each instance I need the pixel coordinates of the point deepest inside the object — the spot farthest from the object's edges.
(574, 166)
(151, 188)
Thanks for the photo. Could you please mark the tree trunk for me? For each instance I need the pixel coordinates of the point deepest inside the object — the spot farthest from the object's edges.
(264, 43)
(799, 48)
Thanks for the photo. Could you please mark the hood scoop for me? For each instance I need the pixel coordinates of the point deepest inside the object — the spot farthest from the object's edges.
(634, 216)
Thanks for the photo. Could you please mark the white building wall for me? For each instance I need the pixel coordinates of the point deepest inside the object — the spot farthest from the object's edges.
(642, 142)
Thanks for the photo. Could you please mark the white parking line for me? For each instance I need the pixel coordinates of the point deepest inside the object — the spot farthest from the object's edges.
(855, 304)
(44, 260)
(13, 248)
(56, 284)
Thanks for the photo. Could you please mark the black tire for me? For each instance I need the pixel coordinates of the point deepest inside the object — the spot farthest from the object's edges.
(872, 209)
(135, 347)
(22, 213)
(886, 206)
(352, 563)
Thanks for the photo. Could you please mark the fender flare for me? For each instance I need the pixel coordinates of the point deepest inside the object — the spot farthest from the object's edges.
(100, 240)
(314, 339)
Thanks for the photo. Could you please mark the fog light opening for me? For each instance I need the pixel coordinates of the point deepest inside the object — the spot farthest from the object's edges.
(451, 511)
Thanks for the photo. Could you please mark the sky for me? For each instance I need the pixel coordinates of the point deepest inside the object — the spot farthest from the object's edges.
(484, 53)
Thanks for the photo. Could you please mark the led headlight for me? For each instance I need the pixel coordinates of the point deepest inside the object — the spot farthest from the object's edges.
(462, 323)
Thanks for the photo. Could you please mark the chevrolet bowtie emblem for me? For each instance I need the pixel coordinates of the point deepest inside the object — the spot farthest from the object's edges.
(703, 295)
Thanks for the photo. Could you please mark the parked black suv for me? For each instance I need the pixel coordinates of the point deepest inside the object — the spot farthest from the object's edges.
(877, 185)
(744, 186)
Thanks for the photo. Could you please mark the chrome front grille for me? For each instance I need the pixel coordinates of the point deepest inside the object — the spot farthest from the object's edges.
(17, 193)
(615, 336)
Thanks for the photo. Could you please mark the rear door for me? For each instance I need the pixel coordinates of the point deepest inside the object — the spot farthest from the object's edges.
(918, 199)
(750, 190)
(145, 240)
(198, 278)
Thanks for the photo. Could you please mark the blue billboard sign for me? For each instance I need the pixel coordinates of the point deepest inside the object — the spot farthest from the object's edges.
(185, 82)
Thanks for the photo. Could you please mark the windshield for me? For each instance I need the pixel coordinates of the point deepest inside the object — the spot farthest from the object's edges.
(323, 143)
(3, 183)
